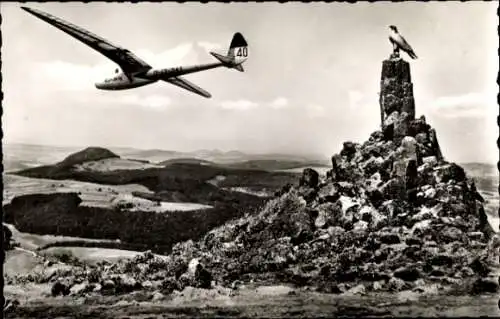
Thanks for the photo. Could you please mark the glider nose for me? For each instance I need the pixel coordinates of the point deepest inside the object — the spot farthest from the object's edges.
(99, 86)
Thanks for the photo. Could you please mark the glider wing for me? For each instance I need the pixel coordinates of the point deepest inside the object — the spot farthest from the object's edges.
(185, 84)
(123, 57)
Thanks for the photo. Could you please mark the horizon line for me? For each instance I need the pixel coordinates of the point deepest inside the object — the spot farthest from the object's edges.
(169, 150)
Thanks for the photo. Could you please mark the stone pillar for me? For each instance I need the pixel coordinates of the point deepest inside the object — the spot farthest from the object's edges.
(396, 89)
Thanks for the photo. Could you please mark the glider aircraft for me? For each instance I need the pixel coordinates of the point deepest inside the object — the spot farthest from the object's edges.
(134, 71)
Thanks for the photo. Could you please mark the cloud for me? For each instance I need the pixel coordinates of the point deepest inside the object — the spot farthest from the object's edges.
(210, 46)
(158, 102)
(474, 104)
(172, 57)
(355, 98)
(73, 77)
(279, 103)
(460, 100)
(315, 110)
(78, 81)
(79, 77)
(239, 105)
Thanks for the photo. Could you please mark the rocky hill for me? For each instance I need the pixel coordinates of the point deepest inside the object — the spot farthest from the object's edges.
(87, 155)
(392, 214)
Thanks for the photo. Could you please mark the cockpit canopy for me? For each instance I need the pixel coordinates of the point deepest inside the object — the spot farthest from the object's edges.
(117, 78)
(120, 81)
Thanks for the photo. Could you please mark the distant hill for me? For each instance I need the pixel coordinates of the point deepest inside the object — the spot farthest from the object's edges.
(21, 156)
(87, 155)
(154, 155)
(215, 156)
(184, 160)
(273, 165)
(256, 164)
(480, 169)
(182, 175)
(485, 175)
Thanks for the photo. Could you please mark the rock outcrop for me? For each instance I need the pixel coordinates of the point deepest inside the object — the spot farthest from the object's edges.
(397, 108)
(396, 93)
(391, 214)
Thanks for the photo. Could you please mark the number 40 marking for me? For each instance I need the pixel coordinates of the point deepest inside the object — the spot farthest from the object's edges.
(242, 52)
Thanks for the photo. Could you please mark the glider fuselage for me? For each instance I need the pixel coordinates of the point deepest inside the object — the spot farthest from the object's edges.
(122, 82)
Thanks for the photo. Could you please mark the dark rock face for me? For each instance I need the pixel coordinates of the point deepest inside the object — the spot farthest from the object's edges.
(59, 289)
(309, 178)
(411, 180)
(482, 285)
(407, 273)
(388, 131)
(348, 150)
(396, 88)
(419, 126)
(451, 172)
(401, 127)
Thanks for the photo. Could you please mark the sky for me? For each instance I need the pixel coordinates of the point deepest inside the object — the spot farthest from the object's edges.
(311, 81)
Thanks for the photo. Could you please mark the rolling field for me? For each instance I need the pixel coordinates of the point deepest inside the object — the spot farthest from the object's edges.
(246, 190)
(113, 164)
(93, 195)
(33, 242)
(30, 252)
(92, 255)
(320, 169)
(19, 261)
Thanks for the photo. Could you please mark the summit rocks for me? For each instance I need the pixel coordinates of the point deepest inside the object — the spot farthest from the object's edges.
(387, 203)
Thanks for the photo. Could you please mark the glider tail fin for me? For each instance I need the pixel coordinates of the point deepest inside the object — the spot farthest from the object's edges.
(236, 54)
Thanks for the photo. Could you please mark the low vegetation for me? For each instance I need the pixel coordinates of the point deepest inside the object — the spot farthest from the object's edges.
(65, 256)
(61, 214)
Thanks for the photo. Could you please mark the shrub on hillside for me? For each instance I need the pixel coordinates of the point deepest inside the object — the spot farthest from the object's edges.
(65, 256)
